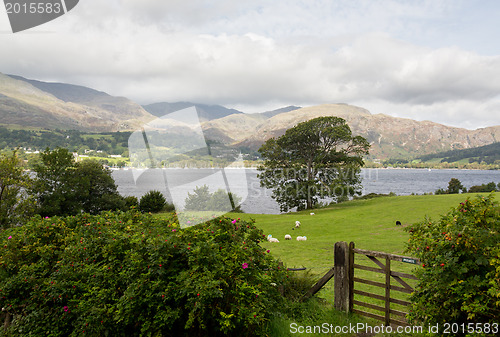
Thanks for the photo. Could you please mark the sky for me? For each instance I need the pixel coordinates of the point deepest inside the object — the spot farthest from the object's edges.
(433, 60)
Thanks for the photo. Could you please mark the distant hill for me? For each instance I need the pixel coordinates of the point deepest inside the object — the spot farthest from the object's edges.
(273, 113)
(28, 103)
(66, 92)
(390, 137)
(32, 104)
(487, 153)
(205, 112)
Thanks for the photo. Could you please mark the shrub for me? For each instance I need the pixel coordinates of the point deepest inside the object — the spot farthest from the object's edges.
(202, 200)
(153, 202)
(131, 201)
(131, 274)
(460, 257)
(490, 187)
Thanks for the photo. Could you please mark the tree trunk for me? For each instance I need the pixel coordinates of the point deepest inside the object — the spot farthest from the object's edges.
(309, 174)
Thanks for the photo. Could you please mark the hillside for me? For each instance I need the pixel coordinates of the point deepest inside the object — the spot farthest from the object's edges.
(488, 154)
(389, 136)
(33, 104)
(205, 112)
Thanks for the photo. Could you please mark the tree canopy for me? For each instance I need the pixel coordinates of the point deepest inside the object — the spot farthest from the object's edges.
(315, 159)
(64, 187)
(15, 203)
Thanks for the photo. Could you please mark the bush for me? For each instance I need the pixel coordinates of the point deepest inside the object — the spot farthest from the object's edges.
(461, 265)
(202, 200)
(153, 202)
(130, 274)
(454, 187)
(131, 201)
(490, 187)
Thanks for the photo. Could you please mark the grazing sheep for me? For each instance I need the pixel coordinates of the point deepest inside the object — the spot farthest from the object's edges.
(311, 213)
(297, 224)
(301, 238)
(288, 237)
(273, 240)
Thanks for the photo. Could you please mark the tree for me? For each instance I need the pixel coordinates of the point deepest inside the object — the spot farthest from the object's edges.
(64, 187)
(15, 203)
(96, 188)
(455, 186)
(315, 159)
(153, 202)
(54, 184)
(202, 200)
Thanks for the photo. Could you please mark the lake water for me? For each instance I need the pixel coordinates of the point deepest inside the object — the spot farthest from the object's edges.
(258, 200)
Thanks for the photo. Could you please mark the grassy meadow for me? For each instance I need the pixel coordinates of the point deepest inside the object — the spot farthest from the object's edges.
(370, 224)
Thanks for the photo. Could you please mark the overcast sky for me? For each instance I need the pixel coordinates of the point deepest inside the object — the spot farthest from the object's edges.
(433, 60)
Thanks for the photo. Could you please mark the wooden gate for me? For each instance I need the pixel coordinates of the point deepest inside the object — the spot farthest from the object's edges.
(346, 283)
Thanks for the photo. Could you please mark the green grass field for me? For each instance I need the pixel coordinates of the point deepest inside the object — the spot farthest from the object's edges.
(370, 224)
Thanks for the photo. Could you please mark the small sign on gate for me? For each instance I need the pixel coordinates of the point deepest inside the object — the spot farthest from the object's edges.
(408, 260)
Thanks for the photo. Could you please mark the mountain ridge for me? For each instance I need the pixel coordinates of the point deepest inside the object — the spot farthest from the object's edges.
(29, 103)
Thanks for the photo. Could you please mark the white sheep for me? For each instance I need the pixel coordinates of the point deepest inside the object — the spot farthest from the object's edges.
(311, 213)
(288, 237)
(301, 238)
(297, 224)
(273, 240)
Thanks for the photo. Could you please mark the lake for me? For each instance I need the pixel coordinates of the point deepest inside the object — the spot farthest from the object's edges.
(258, 200)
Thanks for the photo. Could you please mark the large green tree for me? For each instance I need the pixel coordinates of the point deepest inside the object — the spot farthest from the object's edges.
(64, 187)
(15, 203)
(316, 159)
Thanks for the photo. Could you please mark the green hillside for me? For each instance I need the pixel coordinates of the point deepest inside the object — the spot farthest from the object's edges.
(488, 154)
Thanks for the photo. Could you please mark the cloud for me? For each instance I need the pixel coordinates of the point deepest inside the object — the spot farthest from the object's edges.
(253, 53)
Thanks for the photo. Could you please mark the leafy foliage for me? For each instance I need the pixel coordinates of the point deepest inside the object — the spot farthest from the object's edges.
(315, 159)
(109, 142)
(153, 202)
(489, 187)
(202, 200)
(15, 202)
(461, 264)
(64, 187)
(454, 187)
(130, 274)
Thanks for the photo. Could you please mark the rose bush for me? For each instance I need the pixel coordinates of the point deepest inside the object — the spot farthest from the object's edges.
(131, 274)
(460, 256)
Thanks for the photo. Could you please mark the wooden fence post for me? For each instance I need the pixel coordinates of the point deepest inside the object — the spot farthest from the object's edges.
(342, 277)
(387, 316)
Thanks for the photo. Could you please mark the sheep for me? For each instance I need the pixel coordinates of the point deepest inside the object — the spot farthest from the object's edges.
(273, 240)
(311, 213)
(301, 238)
(297, 224)
(288, 237)
(269, 237)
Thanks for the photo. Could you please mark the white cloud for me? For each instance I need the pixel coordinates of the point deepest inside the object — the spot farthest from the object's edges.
(385, 56)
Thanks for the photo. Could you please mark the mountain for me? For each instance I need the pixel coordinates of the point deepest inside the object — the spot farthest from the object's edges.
(389, 137)
(205, 112)
(26, 103)
(273, 113)
(34, 104)
(487, 153)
